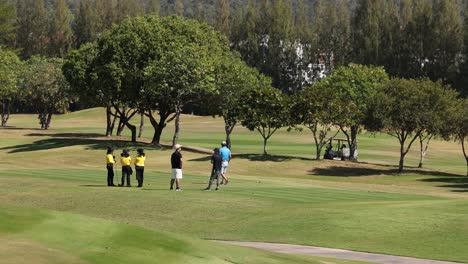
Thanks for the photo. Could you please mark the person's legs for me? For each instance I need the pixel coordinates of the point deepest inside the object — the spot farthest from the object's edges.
(210, 181)
(110, 175)
(122, 181)
(217, 179)
(178, 178)
(142, 173)
(172, 183)
(128, 177)
(139, 175)
(224, 167)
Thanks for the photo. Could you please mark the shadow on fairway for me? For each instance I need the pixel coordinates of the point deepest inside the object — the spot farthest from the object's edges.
(259, 157)
(67, 140)
(94, 185)
(66, 135)
(349, 171)
(459, 183)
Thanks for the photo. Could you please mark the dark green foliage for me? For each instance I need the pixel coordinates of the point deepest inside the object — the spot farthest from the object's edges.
(7, 22)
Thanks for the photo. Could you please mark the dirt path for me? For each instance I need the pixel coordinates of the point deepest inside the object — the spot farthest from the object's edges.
(336, 253)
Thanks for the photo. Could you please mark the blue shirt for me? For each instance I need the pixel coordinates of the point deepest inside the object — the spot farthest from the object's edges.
(225, 153)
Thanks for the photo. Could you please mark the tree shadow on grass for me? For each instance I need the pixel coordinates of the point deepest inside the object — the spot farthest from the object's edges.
(66, 135)
(258, 157)
(90, 143)
(460, 183)
(359, 171)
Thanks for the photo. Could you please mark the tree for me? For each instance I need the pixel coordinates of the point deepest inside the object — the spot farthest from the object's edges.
(77, 69)
(32, 30)
(86, 23)
(222, 16)
(10, 68)
(151, 65)
(180, 69)
(233, 78)
(61, 35)
(448, 40)
(7, 22)
(45, 88)
(153, 7)
(313, 107)
(366, 42)
(179, 8)
(462, 80)
(265, 110)
(458, 125)
(353, 85)
(406, 108)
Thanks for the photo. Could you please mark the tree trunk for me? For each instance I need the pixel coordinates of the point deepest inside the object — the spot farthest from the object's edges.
(120, 127)
(462, 139)
(158, 127)
(5, 111)
(353, 143)
(42, 120)
(113, 125)
(142, 123)
(423, 150)
(229, 129)
(109, 121)
(265, 154)
(48, 120)
(402, 157)
(177, 127)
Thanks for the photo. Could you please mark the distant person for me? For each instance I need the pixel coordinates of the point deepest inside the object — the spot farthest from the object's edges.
(126, 160)
(217, 161)
(226, 158)
(176, 165)
(140, 166)
(110, 161)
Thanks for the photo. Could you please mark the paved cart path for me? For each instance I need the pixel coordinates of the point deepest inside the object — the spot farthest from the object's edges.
(336, 253)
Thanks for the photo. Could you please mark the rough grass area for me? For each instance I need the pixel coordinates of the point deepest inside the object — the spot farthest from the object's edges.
(289, 198)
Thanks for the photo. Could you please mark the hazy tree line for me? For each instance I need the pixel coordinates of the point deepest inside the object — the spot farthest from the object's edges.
(268, 63)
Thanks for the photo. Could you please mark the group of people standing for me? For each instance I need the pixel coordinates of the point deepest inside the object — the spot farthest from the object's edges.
(220, 161)
(126, 162)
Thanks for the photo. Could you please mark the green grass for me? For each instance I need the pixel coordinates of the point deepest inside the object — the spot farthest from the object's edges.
(289, 198)
(40, 236)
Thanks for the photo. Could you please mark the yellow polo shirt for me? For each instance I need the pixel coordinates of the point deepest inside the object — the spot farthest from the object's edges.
(110, 159)
(140, 161)
(126, 161)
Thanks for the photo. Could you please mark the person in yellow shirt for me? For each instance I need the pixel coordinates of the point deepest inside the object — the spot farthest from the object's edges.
(110, 160)
(126, 161)
(140, 166)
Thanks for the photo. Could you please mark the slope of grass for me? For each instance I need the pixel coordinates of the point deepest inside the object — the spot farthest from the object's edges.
(39, 236)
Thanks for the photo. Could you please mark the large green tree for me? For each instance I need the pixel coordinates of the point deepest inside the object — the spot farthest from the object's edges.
(45, 88)
(313, 108)
(406, 108)
(353, 85)
(264, 110)
(10, 71)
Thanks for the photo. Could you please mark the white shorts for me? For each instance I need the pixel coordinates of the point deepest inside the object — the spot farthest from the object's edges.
(224, 166)
(176, 174)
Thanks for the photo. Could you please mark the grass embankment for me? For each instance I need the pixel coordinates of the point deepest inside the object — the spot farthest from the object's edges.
(290, 199)
(39, 236)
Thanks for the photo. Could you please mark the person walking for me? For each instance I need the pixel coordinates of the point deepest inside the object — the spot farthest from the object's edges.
(110, 161)
(226, 158)
(216, 160)
(176, 164)
(126, 161)
(140, 166)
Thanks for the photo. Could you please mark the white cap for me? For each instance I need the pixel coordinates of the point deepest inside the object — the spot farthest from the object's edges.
(177, 146)
(223, 142)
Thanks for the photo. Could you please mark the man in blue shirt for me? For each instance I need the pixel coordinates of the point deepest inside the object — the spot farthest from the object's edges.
(226, 157)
